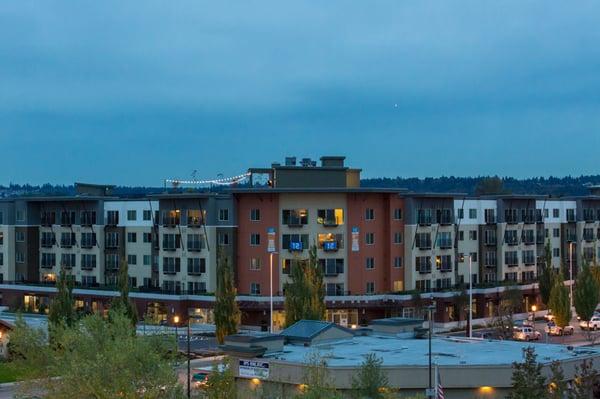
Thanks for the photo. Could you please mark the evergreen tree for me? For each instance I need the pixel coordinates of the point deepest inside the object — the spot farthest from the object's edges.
(528, 381)
(316, 382)
(559, 302)
(586, 294)
(370, 381)
(62, 307)
(305, 294)
(585, 382)
(227, 313)
(557, 385)
(122, 304)
(546, 275)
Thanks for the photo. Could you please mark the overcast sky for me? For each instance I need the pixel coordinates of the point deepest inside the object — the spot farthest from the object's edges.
(132, 92)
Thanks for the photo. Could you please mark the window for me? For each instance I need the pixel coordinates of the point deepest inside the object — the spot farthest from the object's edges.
(397, 214)
(147, 214)
(171, 242)
(19, 236)
(473, 256)
(1, 258)
(490, 259)
(443, 263)
(294, 242)
(423, 264)
(88, 280)
(512, 276)
(398, 261)
(147, 260)
(423, 240)
(556, 252)
(424, 216)
(460, 213)
(423, 285)
(370, 238)
(472, 213)
(67, 260)
(511, 258)
(88, 261)
(330, 217)
(20, 216)
(171, 218)
(461, 235)
(286, 266)
(2, 238)
(132, 260)
(67, 239)
(223, 215)
(489, 237)
(444, 240)
(397, 237)
(88, 240)
(255, 264)
(48, 260)
(370, 287)
(196, 266)
(556, 233)
(443, 283)
(254, 239)
(255, 215)
(87, 218)
(131, 215)
(196, 287)
(330, 242)
(334, 289)
(370, 263)
(473, 235)
(172, 286)
(369, 214)
(1, 218)
(223, 238)
(254, 289)
(195, 242)
(131, 237)
(147, 237)
(112, 261)
(490, 215)
(294, 217)
(112, 218)
(555, 213)
(570, 215)
(195, 217)
(332, 267)
(510, 237)
(171, 265)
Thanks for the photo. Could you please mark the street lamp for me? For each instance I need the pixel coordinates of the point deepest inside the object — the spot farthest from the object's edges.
(533, 310)
(430, 309)
(189, 376)
(271, 290)
(470, 293)
(176, 322)
(571, 275)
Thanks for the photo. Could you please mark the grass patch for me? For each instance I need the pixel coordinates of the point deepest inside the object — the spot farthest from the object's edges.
(7, 373)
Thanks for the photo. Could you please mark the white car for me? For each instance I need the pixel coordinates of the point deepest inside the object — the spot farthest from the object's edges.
(526, 334)
(553, 329)
(593, 324)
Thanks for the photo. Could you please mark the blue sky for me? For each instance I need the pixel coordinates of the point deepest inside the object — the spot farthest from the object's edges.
(132, 92)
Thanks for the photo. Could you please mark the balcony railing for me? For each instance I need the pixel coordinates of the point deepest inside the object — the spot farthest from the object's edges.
(446, 244)
(85, 266)
(194, 222)
(169, 221)
(47, 243)
(194, 246)
(330, 223)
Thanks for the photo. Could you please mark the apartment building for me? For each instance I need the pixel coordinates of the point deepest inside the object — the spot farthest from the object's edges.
(375, 246)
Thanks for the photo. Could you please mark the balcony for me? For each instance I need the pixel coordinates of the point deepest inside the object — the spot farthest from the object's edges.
(194, 222)
(446, 244)
(47, 243)
(169, 271)
(424, 220)
(512, 263)
(490, 264)
(589, 237)
(192, 273)
(87, 245)
(88, 266)
(111, 266)
(446, 220)
(171, 222)
(490, 218)
(490, 242)
(529, 261)
(330, 223)
(330, 246)
(112, 245)
(424, 269)
(446, 268)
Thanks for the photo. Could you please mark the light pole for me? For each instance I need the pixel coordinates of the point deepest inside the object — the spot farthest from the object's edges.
(271, 290)
(176, 322)
(430, 308)
(571, 275)
(189, 376)
(470, 297)
(533, 310)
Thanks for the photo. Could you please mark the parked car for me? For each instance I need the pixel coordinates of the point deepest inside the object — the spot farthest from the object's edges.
(593, 324)
(526, 334)
(553, 329)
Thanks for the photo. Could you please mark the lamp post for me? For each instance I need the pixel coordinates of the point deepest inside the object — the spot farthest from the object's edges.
(176, 322)
(189, 376)
(462, 259)
(533, 310)
(271, 290)
(571, 275)
(430, 308)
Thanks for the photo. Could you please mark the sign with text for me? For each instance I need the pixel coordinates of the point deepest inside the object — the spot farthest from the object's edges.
(253, 369)
(271, 240)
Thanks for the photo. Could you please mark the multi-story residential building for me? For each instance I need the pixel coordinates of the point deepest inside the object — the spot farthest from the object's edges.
(378, 248)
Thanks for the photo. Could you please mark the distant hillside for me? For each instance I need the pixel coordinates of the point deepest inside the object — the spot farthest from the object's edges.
(555, 186)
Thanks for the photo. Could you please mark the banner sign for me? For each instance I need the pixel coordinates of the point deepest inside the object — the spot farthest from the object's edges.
(254, 369)
(271, 240)
(355, 239)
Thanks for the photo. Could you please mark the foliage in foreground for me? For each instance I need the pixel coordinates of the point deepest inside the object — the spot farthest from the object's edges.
(370, 381)
(226, 311)
(95, 358)
(559, 302)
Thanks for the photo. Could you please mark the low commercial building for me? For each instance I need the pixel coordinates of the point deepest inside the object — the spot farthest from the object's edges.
(468, 368)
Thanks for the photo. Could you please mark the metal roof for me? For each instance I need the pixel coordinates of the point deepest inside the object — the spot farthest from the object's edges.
(306, 330)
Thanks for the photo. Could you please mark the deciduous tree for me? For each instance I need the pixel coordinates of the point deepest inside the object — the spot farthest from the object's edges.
(62, 306)
(370, 382)
(121, 303)
(586, 293)
(546, 275)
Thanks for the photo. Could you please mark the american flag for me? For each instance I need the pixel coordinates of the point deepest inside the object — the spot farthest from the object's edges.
(438, 387)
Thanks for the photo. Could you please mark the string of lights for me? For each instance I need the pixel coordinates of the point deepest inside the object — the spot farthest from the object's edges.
(222, 181)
